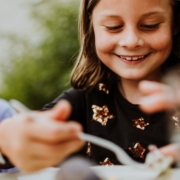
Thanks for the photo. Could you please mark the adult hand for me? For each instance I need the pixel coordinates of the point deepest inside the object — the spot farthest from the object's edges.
(40, 139)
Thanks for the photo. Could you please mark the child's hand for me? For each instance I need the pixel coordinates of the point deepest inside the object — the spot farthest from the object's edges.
(172, 150)
(160, 97)
(157, 160)
(40, 139)
(157, 97)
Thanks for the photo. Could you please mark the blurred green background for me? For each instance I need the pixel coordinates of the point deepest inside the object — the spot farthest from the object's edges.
(36, 74)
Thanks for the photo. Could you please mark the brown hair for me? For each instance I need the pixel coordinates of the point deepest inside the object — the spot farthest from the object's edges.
(89, 70)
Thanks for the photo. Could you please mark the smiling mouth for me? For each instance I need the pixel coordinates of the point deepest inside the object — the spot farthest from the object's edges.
(133, 58)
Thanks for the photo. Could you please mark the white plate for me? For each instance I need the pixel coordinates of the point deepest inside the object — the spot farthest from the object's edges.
(47, 174)
(125, 173)
(105, 172)
(131, 173)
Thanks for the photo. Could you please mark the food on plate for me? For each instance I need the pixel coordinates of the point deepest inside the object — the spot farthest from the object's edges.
(156, 160)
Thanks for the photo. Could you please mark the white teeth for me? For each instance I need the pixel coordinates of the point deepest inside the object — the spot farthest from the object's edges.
(131, 58)
(128, 58)
(134, 58)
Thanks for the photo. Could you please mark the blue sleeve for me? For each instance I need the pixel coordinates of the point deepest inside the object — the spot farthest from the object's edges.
(6, 110)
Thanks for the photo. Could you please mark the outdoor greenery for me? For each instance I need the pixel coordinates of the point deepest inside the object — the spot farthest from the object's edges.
(37, 73)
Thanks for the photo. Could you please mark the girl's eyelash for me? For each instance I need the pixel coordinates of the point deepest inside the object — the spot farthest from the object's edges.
(113, 27)
(144, 26)
(149, 26)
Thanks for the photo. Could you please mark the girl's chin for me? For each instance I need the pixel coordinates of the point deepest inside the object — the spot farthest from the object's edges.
(132, 77)
(138, 78)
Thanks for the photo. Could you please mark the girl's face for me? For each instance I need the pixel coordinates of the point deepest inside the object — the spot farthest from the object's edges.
(133, 37)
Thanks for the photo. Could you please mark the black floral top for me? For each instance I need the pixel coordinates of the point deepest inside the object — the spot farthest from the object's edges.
(104, 112)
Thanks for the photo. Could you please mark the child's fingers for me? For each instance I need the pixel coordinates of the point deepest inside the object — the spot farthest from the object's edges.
(172, 150)
(157, 97)
(56, 151)
(61, 111)
(47, 155)
(149, 87)
(53, 131)
(156, 102)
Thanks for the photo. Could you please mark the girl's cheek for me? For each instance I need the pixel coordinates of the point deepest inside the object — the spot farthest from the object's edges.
(162, 44)
(161, 40)
(104, 42)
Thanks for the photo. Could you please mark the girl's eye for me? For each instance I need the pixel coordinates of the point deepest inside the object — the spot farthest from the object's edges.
(113, 28)
(149, 26)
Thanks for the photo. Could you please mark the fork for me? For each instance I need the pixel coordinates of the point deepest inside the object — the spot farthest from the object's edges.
(121, 155)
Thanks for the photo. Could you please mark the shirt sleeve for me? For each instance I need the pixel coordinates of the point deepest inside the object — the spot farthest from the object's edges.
(76, 99)
(6, 110)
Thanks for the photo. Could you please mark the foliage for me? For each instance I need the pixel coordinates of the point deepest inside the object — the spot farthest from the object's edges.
(39, 72)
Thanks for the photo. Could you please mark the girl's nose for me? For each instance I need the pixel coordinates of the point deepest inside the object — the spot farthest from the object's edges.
(130, 39)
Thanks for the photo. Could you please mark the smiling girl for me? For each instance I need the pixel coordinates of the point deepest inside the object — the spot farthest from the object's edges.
(122, 43)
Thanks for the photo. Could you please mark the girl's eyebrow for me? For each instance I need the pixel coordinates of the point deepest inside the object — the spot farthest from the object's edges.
(108, 16)
(154, 13)
(115, 16)
(111, 16)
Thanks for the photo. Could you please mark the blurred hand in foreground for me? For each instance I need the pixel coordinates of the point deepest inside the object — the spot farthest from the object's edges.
(39, 140)
(159, 97)
(172, 150)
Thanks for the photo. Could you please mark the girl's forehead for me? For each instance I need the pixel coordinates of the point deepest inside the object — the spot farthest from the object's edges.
(113, 7)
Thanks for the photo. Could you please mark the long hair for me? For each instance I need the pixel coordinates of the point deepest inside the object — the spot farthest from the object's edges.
(88, 69)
